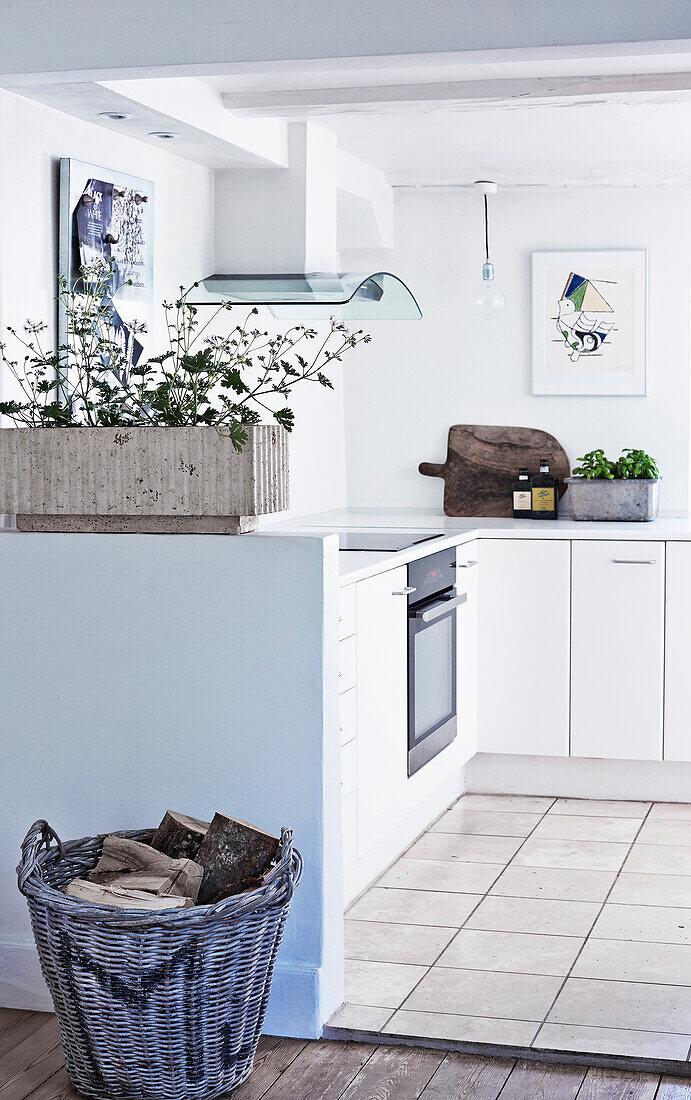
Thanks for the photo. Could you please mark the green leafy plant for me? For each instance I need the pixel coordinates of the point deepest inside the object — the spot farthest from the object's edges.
(228, 379)
(595, 465)
(636, 464)
(631, 463)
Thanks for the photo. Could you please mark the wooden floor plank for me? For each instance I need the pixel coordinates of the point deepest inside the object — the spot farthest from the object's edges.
(32, 1068)
(674, 1088)
(10, 1016)
(541, 1081)
(271, 1060)
(468, 1077)
(613, 1084)
(57, 1087)
(395, 1073)
(25, 1025)
(31, 1062)
(322, 1071)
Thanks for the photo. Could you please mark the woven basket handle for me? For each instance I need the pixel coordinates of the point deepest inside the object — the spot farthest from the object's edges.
(39, 836)
(291, 877)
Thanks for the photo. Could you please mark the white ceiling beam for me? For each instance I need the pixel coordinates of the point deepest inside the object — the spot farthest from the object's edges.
(207, 135)
(288, 102)
(190, 102)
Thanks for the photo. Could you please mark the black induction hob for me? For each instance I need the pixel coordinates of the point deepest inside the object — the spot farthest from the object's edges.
(383, 540)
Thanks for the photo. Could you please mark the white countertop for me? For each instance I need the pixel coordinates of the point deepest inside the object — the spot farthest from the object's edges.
(356, 565)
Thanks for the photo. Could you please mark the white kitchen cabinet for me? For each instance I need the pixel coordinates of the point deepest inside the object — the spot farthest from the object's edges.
(523, 653)
(677, 731)
(349, 829)
(467, 581)
(617, 649)
(382, 631)
(348, 768)
(347, 708)
(346, 611)
(347, 670)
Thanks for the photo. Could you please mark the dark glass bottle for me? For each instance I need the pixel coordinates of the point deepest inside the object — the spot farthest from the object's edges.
(544, 493)
(522, 502)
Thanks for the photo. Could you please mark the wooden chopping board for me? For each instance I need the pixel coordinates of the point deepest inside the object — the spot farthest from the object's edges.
(482, 463)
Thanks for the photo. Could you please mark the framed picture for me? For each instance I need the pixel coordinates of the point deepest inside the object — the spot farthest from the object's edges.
(108, 216)
(589, 322)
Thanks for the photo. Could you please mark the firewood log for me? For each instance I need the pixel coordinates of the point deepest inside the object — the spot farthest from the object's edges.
(142, 880)
(179, 836)
(232, 853)
(123, 898)
(123, 856)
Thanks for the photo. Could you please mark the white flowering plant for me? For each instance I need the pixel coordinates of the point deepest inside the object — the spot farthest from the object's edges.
(228, 380)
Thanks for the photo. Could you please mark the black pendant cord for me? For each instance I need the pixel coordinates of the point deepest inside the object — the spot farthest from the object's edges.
(486, 233)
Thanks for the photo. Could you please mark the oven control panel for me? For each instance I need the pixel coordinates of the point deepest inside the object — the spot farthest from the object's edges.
(431, 575)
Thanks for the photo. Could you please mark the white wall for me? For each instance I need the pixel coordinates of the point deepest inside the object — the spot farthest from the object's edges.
(211, 714)
(32, 140)
(415, 379)
(316, 446)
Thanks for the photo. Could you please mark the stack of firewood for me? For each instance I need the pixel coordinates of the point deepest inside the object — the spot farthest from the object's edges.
(188, 862)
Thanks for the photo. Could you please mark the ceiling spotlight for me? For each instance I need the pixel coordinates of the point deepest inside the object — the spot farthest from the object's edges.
(114, 116)
(164, 135)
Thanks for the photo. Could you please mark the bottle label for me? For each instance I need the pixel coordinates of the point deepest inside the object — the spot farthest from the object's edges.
(521, 500)
(544, 500)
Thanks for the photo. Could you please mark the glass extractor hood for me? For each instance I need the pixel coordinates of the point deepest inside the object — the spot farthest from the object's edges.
(313, 296)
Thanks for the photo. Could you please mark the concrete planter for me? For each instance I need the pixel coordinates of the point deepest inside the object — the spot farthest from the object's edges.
(601, 499)
(143, 479)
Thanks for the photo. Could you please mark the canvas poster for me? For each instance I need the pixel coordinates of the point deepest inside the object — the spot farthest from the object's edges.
(107, 217)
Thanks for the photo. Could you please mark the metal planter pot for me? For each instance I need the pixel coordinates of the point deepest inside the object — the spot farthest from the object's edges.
(601, 499)
(144, 479)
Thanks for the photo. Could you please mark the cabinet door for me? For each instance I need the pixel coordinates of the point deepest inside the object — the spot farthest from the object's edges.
(617, 649)
(467, 581)
(677, 733)
(523, 673)
(382, 629)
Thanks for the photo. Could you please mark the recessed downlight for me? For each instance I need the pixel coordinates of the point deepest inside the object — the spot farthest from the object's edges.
(164, 135)
(114, 116)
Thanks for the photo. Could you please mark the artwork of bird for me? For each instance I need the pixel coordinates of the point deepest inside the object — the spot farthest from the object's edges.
(580, 321)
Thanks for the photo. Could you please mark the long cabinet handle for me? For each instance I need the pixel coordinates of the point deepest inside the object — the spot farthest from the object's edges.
(403, 591)
(633, 561)
(463, 564)
(438, 610)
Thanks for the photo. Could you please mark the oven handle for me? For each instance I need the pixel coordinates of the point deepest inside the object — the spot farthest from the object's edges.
(437, 610)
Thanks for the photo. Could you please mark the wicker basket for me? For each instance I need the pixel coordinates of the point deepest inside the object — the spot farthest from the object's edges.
(164, 1005)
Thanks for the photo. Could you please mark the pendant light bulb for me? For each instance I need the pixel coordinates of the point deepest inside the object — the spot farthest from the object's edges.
(488, 299)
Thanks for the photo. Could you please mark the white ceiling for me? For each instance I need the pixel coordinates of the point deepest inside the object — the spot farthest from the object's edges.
(525, 120)
(633, 141)
(571, 120)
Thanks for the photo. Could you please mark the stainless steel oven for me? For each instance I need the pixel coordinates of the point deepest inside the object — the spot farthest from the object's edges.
(432, 605)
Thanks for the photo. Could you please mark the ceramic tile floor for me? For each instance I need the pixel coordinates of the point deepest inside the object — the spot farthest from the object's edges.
(553, 923)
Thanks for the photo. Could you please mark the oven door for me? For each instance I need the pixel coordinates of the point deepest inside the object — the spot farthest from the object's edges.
(431, 677)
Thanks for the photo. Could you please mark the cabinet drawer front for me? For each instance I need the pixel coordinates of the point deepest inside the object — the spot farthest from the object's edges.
(349, 828)
(346, 611)
(347, 708)
(348, 768)
(346, 664)
(617, 640)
